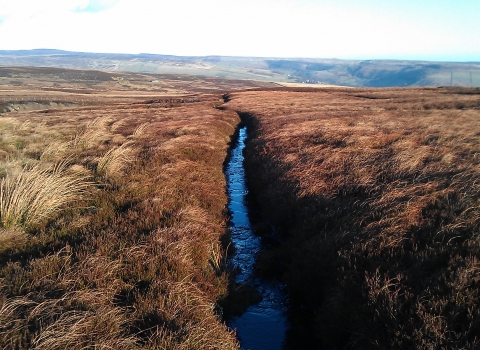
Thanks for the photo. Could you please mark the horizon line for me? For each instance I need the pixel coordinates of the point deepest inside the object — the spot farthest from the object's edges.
(261, 57)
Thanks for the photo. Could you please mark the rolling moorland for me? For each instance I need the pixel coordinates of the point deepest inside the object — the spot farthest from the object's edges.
(30, 88)
(111, 217)
(113, 220)
(370, 73)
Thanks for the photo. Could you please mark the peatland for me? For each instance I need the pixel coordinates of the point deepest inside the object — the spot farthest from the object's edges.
(374, 196)
(113, 222)
(111, 215)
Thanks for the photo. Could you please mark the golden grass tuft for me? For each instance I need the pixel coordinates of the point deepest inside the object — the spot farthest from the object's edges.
(102, 327)
(140, 130)
(92, 133)
(54, 149)
(36, 193)
(115, 160)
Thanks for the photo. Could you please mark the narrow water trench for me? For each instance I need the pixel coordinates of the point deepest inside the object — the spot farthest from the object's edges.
(262, 325)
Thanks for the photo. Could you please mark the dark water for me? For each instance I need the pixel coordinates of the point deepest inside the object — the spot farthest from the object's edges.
(263, 325)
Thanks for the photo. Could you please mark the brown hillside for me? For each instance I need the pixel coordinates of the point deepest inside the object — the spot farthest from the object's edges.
(375, 194)
(110, 223)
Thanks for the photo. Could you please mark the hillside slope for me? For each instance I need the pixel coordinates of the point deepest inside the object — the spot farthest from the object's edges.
(368, 73)
(374, 196)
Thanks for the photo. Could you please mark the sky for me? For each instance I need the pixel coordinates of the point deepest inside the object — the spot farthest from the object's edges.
(435, 30)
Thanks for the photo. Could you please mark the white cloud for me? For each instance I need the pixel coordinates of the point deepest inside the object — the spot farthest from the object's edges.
(96, 5)
(289, 28)
(32, 8)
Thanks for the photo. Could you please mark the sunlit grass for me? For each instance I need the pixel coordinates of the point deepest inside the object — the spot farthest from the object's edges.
(375, 194)
(129, 256)
(115, 160)
(36, 193)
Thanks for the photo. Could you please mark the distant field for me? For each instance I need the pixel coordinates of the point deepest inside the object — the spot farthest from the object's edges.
(457, 78)
(374, 195)
(298, 85)
(219, 71)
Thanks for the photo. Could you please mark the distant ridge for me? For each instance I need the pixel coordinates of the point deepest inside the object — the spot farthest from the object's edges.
(359, 73)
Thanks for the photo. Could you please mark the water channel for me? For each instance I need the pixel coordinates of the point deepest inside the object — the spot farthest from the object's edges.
(263, 325)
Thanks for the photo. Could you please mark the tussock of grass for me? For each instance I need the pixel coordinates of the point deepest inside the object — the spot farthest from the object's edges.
(376, 201)
(92, 133)
(115, 160)
(99, 329)
(53, 149)
(103, 327)
(36, 193)
(140, 130)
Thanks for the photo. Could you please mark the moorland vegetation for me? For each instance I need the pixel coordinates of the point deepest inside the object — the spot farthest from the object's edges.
(374, 195)
(110, 225)
(113, 210)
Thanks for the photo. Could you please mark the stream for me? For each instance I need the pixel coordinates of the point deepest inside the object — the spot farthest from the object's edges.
(263, 325)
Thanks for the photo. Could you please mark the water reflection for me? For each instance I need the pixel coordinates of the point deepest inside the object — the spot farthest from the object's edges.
(263, 325)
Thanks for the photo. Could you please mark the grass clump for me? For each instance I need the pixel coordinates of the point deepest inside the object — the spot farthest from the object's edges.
(90, 134)
(115, 160)
(36, 193)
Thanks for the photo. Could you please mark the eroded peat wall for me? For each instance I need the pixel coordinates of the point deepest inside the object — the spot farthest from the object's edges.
(374, 195)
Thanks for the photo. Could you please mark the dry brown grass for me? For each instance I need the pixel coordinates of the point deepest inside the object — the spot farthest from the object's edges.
(131, 265)
(37, 88)
(37, 193)
(115, 160)
(375, 194)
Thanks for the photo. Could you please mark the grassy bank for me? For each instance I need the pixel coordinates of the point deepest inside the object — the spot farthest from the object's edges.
(375, 197)
(110, 224)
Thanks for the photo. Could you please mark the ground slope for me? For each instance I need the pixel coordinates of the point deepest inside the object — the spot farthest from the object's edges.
(110, 222)
(374, 195)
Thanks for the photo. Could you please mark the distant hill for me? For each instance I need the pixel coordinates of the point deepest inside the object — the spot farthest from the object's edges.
(369, 73)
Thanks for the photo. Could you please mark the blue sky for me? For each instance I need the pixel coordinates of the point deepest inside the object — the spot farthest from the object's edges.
(442, 30)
